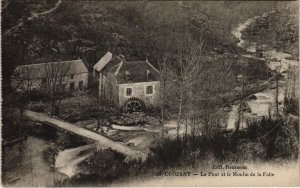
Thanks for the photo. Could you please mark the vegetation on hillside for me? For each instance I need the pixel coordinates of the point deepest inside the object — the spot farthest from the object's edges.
(87, 30)
(278, 30)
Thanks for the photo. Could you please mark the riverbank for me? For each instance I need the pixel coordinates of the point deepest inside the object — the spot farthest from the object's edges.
(31, 161)
(24, 164)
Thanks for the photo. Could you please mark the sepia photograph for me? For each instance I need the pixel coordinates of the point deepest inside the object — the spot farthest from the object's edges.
(145, 93)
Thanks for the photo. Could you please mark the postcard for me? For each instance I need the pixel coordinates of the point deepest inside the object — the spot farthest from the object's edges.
(149, 93)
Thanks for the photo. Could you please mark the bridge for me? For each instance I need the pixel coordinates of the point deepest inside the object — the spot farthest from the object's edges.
(102, 141)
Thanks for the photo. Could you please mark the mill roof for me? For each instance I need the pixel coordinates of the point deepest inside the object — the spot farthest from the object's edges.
(134, 71)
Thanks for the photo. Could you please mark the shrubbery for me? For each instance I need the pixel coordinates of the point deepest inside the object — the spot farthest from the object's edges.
(278, 137)
(265, 139)
(65, 140)
(291, 106)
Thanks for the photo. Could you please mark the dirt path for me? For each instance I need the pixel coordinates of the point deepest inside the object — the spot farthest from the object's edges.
(34, 15)
(103, 141)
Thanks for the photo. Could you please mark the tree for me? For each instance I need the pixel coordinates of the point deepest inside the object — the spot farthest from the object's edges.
(22, 83)
(190, 66)
(183, 64)
(162, 89)
(56, 74)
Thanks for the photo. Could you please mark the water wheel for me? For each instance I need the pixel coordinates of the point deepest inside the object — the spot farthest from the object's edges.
(134, 105)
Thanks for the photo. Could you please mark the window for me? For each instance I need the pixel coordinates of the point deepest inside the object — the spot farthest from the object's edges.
(80, 85)
(72, 86)
(44, 81)
(149, 90)
(72, 76)
(128, 91)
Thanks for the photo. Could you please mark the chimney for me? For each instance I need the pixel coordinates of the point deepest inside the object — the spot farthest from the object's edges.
(127, 75)
(147, 73)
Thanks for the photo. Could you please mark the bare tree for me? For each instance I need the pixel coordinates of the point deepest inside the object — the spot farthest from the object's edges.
(23, 79)
(183, 64)
(160, 48)
(162, 78)
(56, 75)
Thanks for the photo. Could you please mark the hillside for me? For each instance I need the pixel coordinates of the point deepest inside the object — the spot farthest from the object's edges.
(88, 29)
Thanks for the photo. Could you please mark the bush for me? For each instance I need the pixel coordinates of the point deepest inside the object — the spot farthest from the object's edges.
(66, 140)
(265, 139)
(278, 137)
(103, 167)
(38, 108)
(37, 96)
(167, 153)
(291, 106)
(250, 151)
(191, 149)
(50, 154)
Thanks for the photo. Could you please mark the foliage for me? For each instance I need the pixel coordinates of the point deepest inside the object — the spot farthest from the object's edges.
(291, 106)
(278, 137)
(50, 154)
(12, 126)
(278, 29)
(189, 150)
(266, 139)
(67, 140)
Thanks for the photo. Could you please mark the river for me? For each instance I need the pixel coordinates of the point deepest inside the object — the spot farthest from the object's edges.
(25, 164)
(280, 61)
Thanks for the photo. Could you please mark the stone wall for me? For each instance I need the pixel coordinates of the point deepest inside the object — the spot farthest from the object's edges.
(111, 89)
(108, 87)
(36, 84)
(139, 91)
